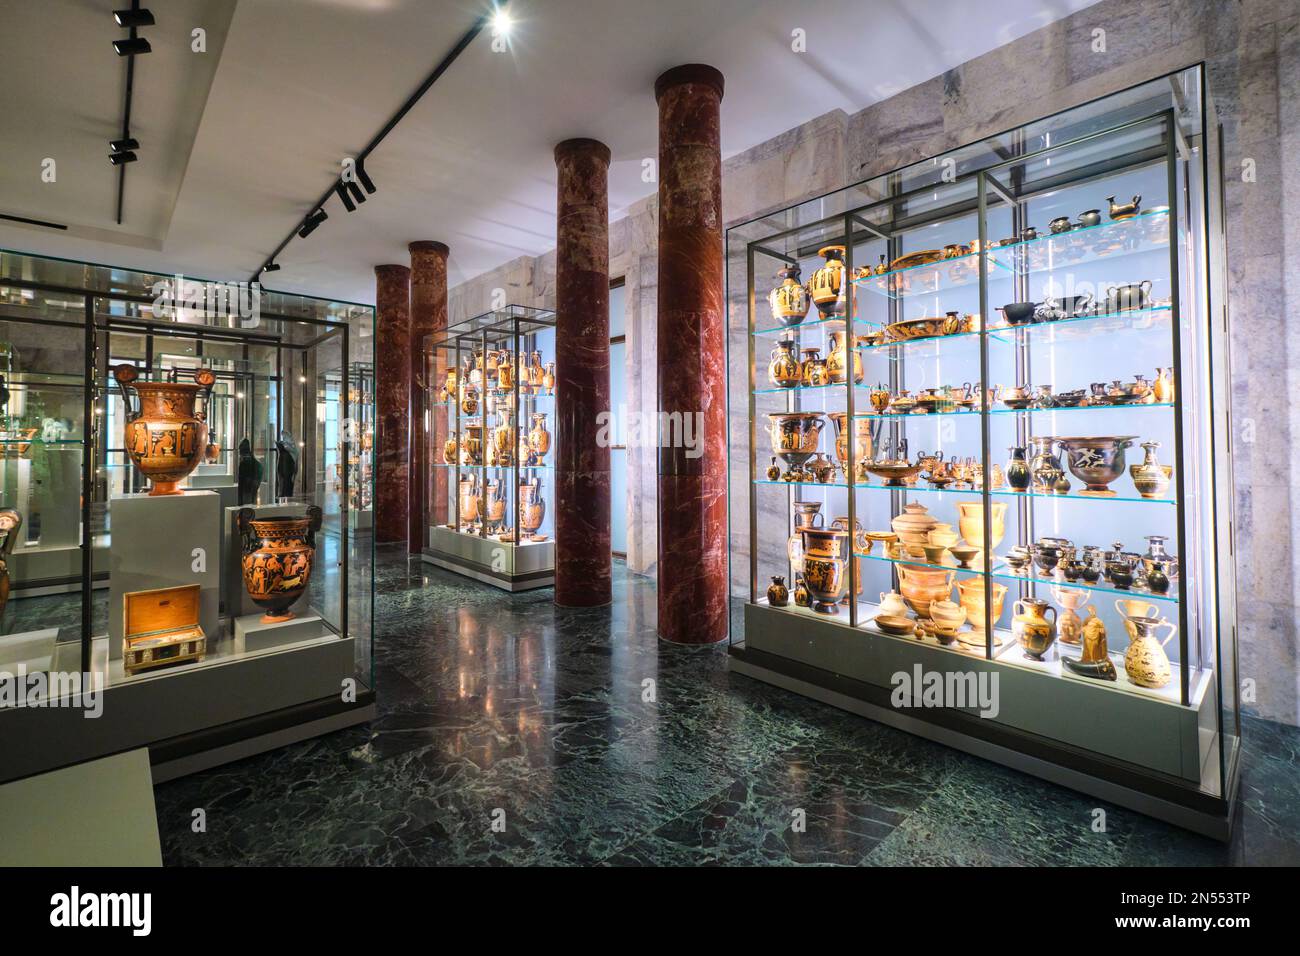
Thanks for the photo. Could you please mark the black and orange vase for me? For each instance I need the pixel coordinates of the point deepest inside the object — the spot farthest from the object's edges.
(166, 432)
(278, 553)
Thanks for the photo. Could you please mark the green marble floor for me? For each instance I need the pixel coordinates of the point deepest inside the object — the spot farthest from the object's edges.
(513, 732)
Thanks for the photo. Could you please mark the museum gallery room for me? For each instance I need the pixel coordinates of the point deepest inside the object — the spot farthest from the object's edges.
(561, 432)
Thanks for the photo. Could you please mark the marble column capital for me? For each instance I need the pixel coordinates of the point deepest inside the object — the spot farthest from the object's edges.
(697, 74)
(587, 148)
(429, 247)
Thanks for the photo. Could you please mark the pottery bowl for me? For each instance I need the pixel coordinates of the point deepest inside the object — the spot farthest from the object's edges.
(1018, 313)
(916, 328)
(1096, 461)
(895, 624)
(964, 553)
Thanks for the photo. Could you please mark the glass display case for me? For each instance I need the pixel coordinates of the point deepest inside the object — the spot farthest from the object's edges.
(489, 447)
(988, 438)
(169, 543)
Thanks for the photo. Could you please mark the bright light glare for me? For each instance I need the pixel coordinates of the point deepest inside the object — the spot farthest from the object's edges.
(501, 23)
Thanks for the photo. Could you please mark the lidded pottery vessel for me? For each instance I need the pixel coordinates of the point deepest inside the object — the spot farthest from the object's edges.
(165, 435)
(277, 558)
(892, 604)
(1031, 628)
(784, 370)
(826, 286)
(789, 300)
(913, 528)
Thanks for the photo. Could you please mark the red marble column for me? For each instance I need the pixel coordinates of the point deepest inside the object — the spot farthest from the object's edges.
(393, 400)
(691, 360)
(582, 533)
(428, 488)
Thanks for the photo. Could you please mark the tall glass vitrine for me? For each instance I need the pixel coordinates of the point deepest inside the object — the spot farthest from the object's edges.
(988, 437)
(489, 448)
(165, 538)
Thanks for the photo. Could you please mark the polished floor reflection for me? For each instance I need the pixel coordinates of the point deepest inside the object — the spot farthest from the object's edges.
(513, 732)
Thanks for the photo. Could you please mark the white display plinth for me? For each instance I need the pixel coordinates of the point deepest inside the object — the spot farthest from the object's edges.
(252, 634)
(155, 544)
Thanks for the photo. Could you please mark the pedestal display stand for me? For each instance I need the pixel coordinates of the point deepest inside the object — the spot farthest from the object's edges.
(49, 559)
(164, 541)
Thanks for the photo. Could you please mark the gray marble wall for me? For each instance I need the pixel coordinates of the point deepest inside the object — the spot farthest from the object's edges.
(1252, 48)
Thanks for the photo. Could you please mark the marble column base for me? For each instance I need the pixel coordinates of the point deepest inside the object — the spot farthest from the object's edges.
(693, 558)
(587, 569)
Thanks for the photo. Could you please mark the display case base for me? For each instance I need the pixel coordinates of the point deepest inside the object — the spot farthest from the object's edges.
(227, 701)
(1156, 795)
(511, 567)
(253, 634)
(32, 650)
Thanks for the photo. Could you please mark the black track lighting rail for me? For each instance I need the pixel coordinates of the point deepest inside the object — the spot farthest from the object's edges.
(316, 214)
(122, 149)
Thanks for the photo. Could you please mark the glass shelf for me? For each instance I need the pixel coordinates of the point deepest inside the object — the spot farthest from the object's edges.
(1082, 497)
(918, 416)
(1145, 232)
(801, 484)
(474, 468)
(917, 346)
(928, 278)
(809, 324)
(1078, 408)
(1084, 326)
(924, 416)
(778, 390)
(920, 563)
(1099, 587)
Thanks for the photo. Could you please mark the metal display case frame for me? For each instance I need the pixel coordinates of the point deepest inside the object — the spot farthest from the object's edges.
(508, 559)
(250, 693)
(1182, 764)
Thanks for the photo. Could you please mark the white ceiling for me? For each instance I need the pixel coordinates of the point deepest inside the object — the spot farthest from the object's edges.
(238, 142)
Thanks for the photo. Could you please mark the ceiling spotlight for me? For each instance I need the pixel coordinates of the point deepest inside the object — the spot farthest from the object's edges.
(344, 198)
(311, 222)
(117, 159)
(501, 23)
(119, 145)
(271, 267)
(366, 181)
(133, 18)
(132, 46)
(357, 194)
